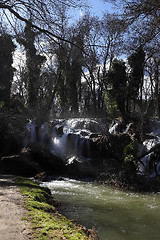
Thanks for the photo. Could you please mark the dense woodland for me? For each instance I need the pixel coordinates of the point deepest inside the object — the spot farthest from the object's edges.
(52, 63)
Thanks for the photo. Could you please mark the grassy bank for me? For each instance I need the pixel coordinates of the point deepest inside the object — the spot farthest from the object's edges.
(46, 222)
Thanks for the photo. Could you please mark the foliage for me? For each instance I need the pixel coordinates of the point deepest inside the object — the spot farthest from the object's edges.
(47, 91)
(6, 70)
(1, 104)
(136, 62)
(75, 71)
(117, 80)
(47, 223)
(140, 21)
(111, 103)
(63, 67)
(69, 74)
(126, 88)
(11, 131)
(34, 62)
(130, 151)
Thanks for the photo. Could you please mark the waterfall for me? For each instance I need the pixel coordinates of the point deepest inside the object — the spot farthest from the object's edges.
(31, 135)
(151, 162)
(42, 133)
(58, 145)
(66, 138)
(71, 139)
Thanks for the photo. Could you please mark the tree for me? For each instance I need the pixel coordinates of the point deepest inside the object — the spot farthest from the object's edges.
(103, 39)
(47, 17)
(34, 62)
(63, 67)
(47, 92)
(136, 61)
(116, 83)
(69, 70)
(92, 88)
(6, 70)
(138, 13)
(112, 32)
(76, 63)
(44, 14)
(141, 22)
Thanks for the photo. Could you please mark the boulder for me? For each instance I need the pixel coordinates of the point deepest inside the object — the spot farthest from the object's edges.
(19, 165)
(80, 168)
(48, 162)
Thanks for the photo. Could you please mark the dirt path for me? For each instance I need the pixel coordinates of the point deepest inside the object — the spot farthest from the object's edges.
(12, 227)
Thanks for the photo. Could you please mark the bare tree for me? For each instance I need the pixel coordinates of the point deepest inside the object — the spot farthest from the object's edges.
(102, 42)
(138, 13)
(43, 14)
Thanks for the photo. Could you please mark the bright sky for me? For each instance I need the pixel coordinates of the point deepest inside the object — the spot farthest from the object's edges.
(99, 6)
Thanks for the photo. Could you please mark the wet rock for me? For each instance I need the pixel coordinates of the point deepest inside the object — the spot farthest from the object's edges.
(59, 130)
(69, 146)
(41, 176)
(94, 136)
(46, 161)
(80, 168)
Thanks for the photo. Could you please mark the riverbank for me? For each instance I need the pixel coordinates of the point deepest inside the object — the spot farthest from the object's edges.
(45, 220)
(28, 211)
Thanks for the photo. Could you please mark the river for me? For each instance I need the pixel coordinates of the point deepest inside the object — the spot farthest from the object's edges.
(115, 214)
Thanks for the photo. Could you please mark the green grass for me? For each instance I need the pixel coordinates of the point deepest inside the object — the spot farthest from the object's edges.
(46, 222)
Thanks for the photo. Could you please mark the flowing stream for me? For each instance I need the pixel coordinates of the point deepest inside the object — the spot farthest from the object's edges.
(116, 215)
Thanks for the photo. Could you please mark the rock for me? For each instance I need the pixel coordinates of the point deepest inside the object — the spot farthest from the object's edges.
(117, 143)
(94, 136)
(46, 161)
(11, 132)
(41, 176)
(32, 160)
(80, 168)
(19, 165)
(59, 130)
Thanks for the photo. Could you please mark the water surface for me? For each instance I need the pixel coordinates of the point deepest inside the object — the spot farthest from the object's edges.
(116, 215)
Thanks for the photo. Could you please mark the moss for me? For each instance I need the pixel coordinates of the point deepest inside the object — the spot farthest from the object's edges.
(130, 151)
(47, 223)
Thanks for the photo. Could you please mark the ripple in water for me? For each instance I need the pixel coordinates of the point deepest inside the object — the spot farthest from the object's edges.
(116, 215)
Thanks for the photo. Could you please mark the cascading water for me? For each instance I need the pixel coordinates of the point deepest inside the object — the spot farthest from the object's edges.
(66, 138)
(31, 135)
(151, 162)
(147, 167)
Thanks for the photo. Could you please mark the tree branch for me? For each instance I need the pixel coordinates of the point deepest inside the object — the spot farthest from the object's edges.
(49, 33)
